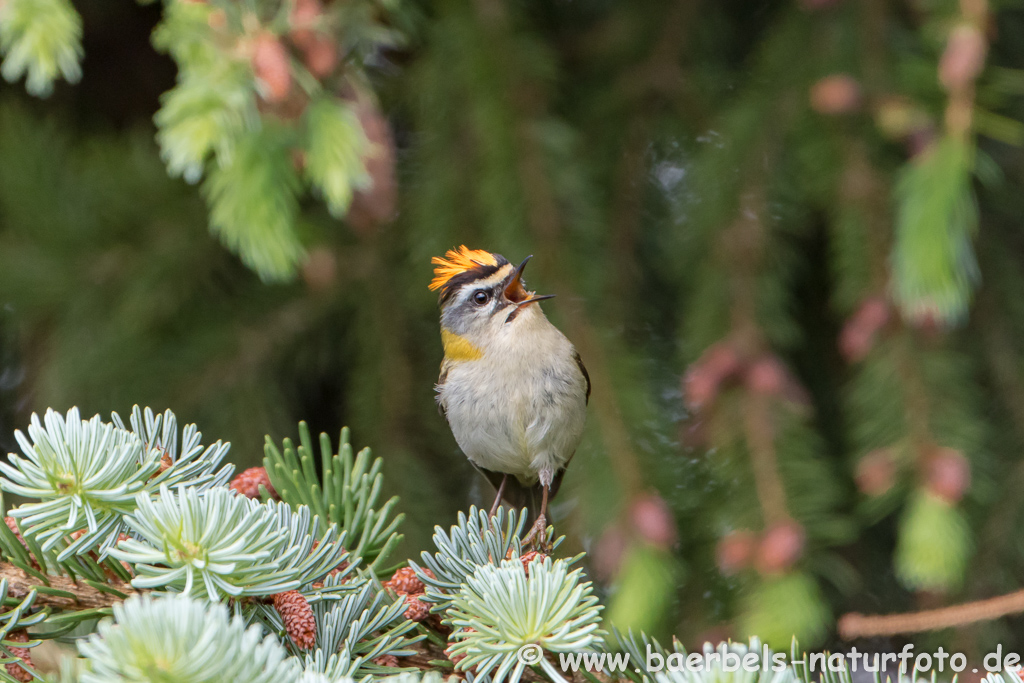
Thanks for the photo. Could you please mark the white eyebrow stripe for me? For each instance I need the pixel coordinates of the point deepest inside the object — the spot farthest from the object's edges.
(498, 276)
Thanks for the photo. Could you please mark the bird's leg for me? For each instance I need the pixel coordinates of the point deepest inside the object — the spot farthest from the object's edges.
(497, 499)
(538, 534)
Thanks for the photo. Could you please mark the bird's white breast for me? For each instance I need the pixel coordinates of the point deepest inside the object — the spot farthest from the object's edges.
(520, 408)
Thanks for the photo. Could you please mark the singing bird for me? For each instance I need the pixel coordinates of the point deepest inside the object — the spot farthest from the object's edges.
(512, 387)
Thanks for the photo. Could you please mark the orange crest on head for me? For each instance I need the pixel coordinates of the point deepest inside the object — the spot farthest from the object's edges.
(458, 261)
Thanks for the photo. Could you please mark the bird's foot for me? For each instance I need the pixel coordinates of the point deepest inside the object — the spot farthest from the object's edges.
(538, 536)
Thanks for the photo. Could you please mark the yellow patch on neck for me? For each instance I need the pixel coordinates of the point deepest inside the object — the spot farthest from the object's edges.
(458, 348)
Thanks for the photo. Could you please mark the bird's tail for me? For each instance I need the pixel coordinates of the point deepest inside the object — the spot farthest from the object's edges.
(519, 496)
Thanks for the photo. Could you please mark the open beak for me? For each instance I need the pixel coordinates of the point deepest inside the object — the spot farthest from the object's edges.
(534, 299)
(516, 292)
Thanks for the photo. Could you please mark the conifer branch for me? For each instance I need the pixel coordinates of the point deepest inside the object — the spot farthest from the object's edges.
(856, 625)
(915, 396)
(962, 63)
(864, 191)
(761, 439)
(72, 595)
(744, 244)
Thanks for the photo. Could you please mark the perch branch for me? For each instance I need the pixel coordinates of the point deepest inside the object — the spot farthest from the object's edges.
(743, 246)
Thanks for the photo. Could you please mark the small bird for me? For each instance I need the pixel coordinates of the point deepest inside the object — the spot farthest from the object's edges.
(512, 387)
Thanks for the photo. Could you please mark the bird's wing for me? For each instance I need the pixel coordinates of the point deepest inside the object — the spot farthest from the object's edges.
(446, 365)
(586, 375)
(556, 483)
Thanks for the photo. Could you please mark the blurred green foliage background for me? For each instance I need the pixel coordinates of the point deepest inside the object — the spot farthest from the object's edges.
(785, 237)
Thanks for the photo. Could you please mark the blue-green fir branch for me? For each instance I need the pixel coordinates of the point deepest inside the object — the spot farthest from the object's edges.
(365, 624)
(182, 639)
(334, 587)
(156, 639)
(502, 609)
(637, 647)
(37, 563)
(86, 475)
(193, 465)
(334, 668)
(218, 544)
(474, 541)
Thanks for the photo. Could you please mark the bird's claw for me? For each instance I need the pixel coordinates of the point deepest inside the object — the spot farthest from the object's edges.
(538, 535)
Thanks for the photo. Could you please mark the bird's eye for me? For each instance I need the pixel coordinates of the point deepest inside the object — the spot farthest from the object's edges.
(481, 297)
